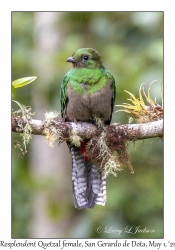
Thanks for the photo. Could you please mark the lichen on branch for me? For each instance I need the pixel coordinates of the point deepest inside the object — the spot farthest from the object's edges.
(23, 125)
(52, 133)
(109, 152)
(107, 146)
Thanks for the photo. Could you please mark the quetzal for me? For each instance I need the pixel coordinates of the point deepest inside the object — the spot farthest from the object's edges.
(87, 91)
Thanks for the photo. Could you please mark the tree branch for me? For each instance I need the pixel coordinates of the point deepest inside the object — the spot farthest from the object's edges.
(87, 130)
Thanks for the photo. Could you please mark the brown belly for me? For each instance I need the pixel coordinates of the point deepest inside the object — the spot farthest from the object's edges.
(85, 107)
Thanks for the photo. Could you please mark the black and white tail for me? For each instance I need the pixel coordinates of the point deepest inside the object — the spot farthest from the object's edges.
(89, 184)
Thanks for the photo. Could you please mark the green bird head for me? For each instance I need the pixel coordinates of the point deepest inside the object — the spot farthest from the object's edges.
(85, 58)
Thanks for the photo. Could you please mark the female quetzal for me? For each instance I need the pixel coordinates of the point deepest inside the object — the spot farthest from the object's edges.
(87, 92)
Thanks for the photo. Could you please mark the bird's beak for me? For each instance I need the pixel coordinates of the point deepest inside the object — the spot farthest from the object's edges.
(71, 59)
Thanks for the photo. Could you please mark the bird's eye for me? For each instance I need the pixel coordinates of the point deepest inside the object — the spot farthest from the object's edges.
(86, 58)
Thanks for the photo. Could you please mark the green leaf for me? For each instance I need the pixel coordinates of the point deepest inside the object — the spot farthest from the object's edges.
(13, 91)
(23, 81)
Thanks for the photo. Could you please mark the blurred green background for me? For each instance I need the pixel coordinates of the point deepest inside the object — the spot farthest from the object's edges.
(131, 47)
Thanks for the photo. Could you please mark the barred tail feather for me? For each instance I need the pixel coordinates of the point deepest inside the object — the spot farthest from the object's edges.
(79, 179)
(89, 184)
(97, 186)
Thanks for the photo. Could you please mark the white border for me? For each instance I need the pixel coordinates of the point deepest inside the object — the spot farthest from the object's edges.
(5, 68)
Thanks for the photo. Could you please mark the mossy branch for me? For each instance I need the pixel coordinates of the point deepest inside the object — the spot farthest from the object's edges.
(107, 145)
(86, 130)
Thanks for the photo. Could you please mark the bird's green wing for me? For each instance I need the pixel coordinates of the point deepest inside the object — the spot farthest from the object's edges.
(63, 92)
(110, 76)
